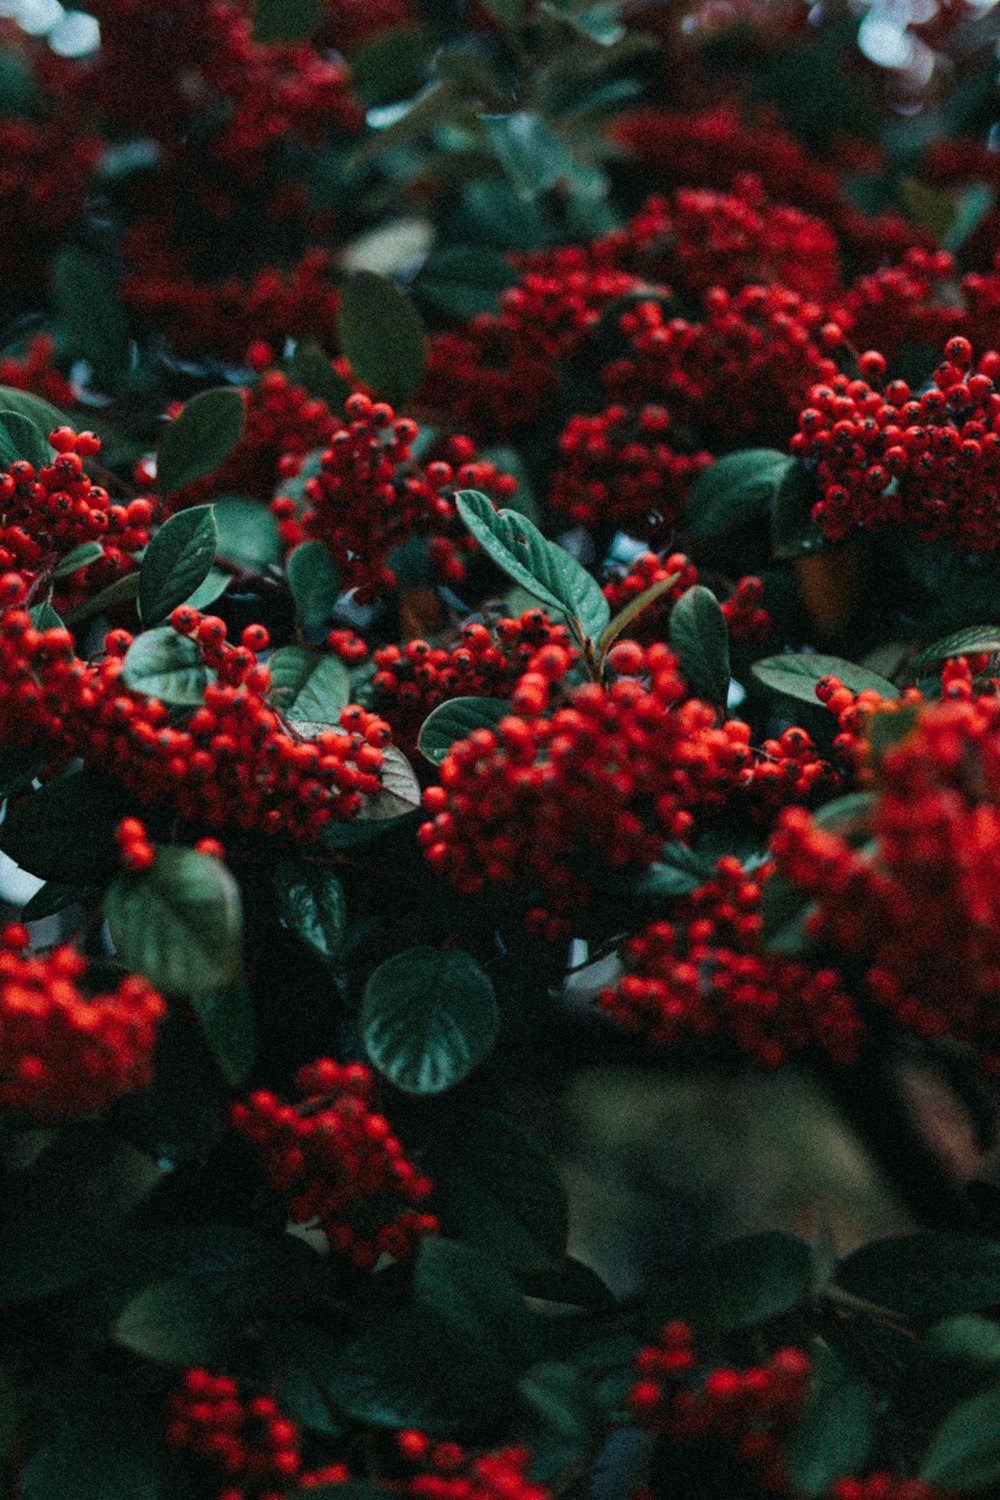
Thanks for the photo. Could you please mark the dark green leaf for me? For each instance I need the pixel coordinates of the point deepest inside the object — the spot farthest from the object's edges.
(88, 304)
(21, 437)
(63, 831)
(463, 280)
(53, 897)
(226, 1018)
(793, 531)
(736, 1285)
(392, 65)
(180, 923)
(122, 591)
(174, 1322)
(533, 156)
(887, 728)
(699, 636)
(97, 1467)
(561, 1399)
(309, 686)
(848, 816)
(314, 582)
(44, 415)
(974, 202)
(926, 1275)
(544, 568)
(466, 1289)
(248, 533)
(168, 666)
(495, 1187)
(574, 1284)
(834, 1432)
(212, 587)
(311, 900)
(735, 490)
(311, 368)
(973, 640)
(382, 335)
(18, 768)
(80, 557)
(176, 562)
(286, 21)
(200, 438)
(44, 617)
(796, 674)
(428, 1018)
(400, 792)
(455, 719)
(964, 1453)
(624, 617)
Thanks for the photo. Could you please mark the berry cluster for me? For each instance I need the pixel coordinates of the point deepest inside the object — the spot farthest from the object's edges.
(35, 372)
(134, 847)
(450, 1473)
(371, 495)
(932, 461)
(62, 1054)
(919, 907)
(341, 1162)
(703, 975)
(618, 469)
(486, 663)
(745, 619)
(48, 168)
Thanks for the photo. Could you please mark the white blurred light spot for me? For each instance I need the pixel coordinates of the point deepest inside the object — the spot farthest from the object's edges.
(16, 885)
(884, 42)
(37, 17)
(75, 35)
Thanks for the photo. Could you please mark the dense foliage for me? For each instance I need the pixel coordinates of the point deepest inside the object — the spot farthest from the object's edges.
(489, 491)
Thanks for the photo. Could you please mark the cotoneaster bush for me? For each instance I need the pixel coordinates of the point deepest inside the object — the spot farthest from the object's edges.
(490, 490)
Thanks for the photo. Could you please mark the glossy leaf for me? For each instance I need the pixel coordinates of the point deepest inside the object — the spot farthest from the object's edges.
(314, 582)
(455, 719)
(635, 607)
(382, 335)
(964, 1453)
(313, 369)
(21, 437)
(311, 901)
(796, 674)
(176, 562)
(699, 636)
(737, 1284)
(200, 438)
(80, 557)
(834, 1432)
(428, 1018)
(926, 1275)
(174, 1322)
(972, 641)
(168, 666)
(63, 831)
(735, 490)
(308, 685)
(533, 156)
(180, 922)
(400, 792)
(248, 533)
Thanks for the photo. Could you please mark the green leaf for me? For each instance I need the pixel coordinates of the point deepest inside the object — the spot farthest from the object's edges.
(736, 490)
(63, 831)
(466, 1289)
(228, 1024)
(311, 901)
(21, 437)
(122, 591)
(573, 1284)
(926, 1275)
(887, 728)
(793, 531)
(314, 582)
(533, 156)
(286, 21)
(200, 438)
(428, 1018)
(796, 674)
(848, 816)
(44, 415)
(464, 280)
(560, 1397)
(544, 568)
(699, 636)
(248, 533)
(382, 335)
(80, 557)
(212, 587)
(400, 792)
(309, 686)
(964, 1453)
(180, 922)
(624, 617)
(311, 368)
(737, 1284)
(176, 562)
(94, 1466)
(174, 1322)
(53, 896)
(973, 640)
(784, 909)
(44, 617)
(455, 719)
(88, 304)
(495, 1187)
(168, 666)
(973, 204)
(834, 1432)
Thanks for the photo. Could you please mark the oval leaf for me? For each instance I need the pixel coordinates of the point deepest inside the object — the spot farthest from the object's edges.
(975, 639)
(428, 1018)
(248, 533)
(176, 562)
(735, 490)
(168, 666)
(926, 1275)
(180, 923)
(455, 720)
(80, 557)
(309, 685)
(21, 437)
(737, 1284)
(200, 438)
(382, 335)
(965, 1451)
(834, 1432)
(44, 415)
(314, 582)
(796, 674)
(400, 792)
(699, 636)
(311, 900)
(174, 1322)
(227, 1021)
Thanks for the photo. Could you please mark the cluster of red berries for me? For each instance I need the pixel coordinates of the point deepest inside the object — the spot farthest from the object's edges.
(62, 1054)
(919, 905)
(703, 975)
(903, 304)
(450, 1473)
(746, 621)
(618, 469)
(48, 169)
(283, 423)
(931, 461)
(853, 711)
(341, 1162)
(35, 372)
(371, 494)
(248, 1438)
(196, 315)
(487, 663)
(134, 848)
